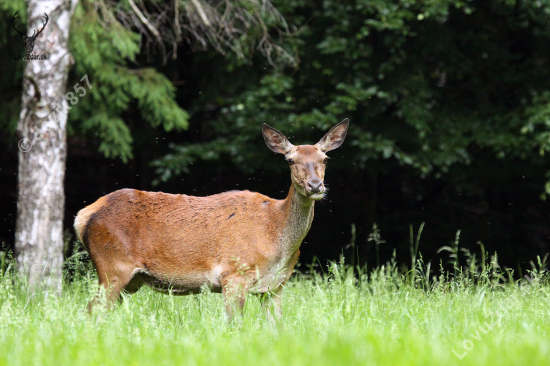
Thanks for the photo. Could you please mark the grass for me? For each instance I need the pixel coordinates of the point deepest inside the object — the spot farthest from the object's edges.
(381, 318)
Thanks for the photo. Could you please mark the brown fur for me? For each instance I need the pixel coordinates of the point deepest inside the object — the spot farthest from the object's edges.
(234, 242)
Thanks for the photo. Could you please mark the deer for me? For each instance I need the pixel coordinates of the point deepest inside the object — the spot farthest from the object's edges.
(29, 39)
(236, 242)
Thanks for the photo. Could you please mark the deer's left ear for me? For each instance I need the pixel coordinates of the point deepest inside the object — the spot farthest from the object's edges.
(335, 137)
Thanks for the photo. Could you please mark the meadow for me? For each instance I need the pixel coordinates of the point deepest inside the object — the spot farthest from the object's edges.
(336, 315)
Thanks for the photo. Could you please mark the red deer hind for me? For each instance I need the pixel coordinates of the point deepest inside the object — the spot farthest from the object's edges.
(235, 242)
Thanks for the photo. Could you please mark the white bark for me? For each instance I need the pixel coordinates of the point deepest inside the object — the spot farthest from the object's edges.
(42, 155)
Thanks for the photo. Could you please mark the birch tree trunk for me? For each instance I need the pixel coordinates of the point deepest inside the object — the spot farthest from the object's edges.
(43, 148)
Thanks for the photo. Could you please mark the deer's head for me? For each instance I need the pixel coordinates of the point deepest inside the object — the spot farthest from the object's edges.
(29, 39)
(307, 162)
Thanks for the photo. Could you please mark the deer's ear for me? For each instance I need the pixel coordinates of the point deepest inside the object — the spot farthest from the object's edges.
(275, 140)
(335, 137)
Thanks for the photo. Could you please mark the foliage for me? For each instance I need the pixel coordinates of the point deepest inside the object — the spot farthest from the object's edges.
(106, 38)
(104, 49)
(417, 79)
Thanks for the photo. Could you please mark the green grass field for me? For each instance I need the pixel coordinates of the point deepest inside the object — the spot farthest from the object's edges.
(380, 318)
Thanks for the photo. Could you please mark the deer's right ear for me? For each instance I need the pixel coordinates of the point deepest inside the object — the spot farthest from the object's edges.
(275, 140)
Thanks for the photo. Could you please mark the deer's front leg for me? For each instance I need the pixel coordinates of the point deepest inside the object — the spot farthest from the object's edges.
(234, 290)
(272, 305)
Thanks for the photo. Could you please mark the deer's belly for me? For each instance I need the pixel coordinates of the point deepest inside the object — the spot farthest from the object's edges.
(182, 284)
(189, 282)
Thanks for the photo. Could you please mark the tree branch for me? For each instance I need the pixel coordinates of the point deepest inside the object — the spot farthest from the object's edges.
(144, 20)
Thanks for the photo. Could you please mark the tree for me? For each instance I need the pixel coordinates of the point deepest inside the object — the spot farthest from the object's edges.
(43, 149)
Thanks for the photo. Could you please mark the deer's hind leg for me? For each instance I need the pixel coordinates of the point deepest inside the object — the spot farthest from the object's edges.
(113, 260)
(113, 279)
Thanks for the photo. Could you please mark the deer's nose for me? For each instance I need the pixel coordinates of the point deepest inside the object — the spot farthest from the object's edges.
(315, 185)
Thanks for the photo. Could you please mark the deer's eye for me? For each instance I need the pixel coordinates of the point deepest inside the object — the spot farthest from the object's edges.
(290, 161)
(326, 160)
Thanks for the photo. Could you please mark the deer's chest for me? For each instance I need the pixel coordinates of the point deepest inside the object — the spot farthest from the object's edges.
(274, 275)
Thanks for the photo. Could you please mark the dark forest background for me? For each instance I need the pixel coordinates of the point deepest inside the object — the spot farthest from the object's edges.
(449, 104)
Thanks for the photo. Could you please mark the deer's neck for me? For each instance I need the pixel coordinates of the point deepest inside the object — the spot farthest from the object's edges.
(299, 215)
